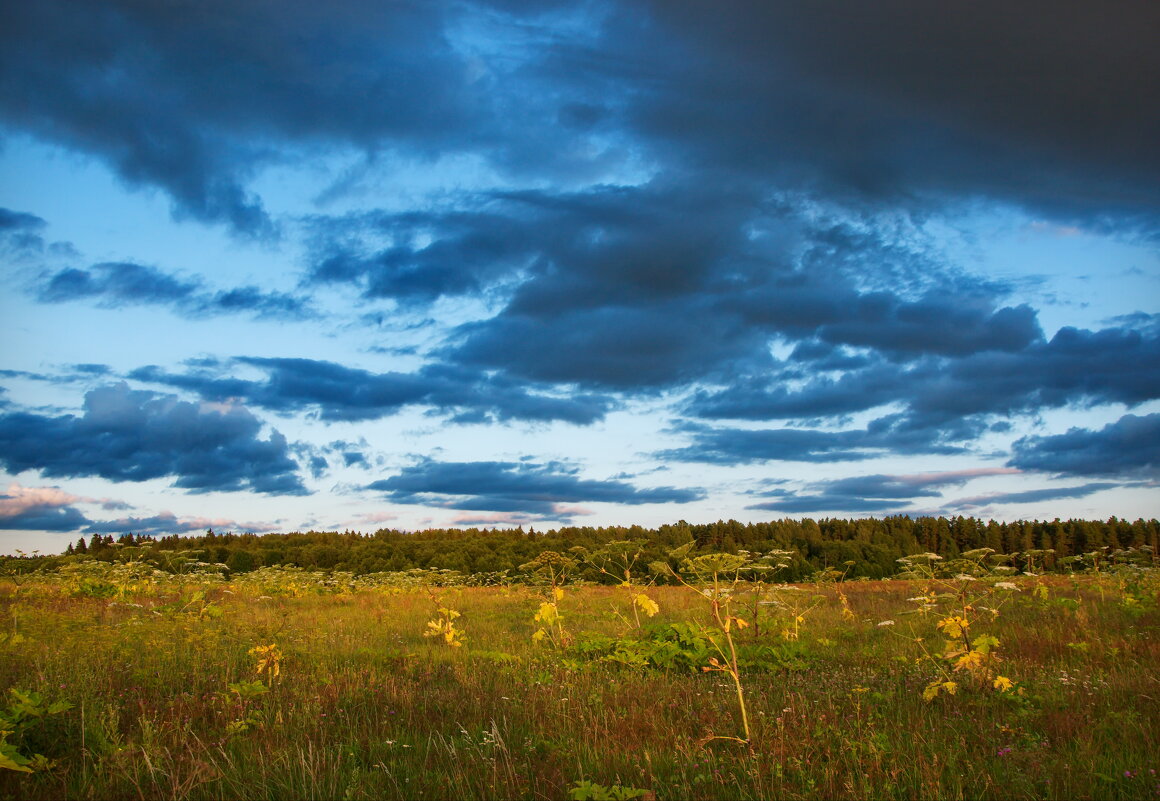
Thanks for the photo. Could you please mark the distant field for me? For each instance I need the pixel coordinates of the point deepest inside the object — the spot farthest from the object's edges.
(168, 688)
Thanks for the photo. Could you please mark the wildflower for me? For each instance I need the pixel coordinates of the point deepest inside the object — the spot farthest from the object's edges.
(1005, 585)
(886, 623)
(1004, 751)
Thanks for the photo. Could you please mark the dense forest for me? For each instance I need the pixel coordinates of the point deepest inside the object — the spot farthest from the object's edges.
(862, 548)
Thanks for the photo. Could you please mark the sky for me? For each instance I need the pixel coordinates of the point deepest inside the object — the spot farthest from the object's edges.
(278, 266)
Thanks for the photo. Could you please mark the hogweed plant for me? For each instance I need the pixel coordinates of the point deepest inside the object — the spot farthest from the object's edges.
(954, 594)
(838, 577)
(552, 569)
(550, 622)
(617, 560)
(269, 661)
(716, 577)
(760, 570)
(443, 626)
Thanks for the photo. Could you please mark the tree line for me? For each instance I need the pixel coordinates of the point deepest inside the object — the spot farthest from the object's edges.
(866, 547)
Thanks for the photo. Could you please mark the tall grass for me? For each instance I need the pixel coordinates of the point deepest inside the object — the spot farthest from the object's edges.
(366, 707)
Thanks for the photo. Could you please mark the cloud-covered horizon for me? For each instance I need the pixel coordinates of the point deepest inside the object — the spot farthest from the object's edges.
(403, 248)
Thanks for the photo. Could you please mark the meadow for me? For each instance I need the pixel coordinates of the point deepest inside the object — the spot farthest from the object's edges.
(123, 681)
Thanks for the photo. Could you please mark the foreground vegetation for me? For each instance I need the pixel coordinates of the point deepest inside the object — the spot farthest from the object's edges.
(966, 678)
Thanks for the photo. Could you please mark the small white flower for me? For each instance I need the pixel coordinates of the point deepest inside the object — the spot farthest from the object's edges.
(1005, 585)
(886, 623)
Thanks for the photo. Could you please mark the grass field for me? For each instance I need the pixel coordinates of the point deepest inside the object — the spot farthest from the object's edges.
(167, 690)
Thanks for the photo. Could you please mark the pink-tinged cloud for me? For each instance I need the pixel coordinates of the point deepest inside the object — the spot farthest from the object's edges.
(18, 500)
(40, 509)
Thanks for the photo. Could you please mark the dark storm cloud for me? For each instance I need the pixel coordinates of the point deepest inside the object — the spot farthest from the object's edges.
(760, 398)
(931, 325)
(1077, 367)
(469, 251)
(890, 434)
(584, 248)
(618, 348)
(120, 283)
(132, 84)
(824, 357)
(742, 446)
(339, 393)
(665, 283)
(1128, 447)
(611, 282)
(514, 487)
(1040, 102)
(129, 435)
(1114, 365)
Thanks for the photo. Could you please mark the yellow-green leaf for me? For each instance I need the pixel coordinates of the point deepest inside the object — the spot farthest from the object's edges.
(646, 604)
(8, 762)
